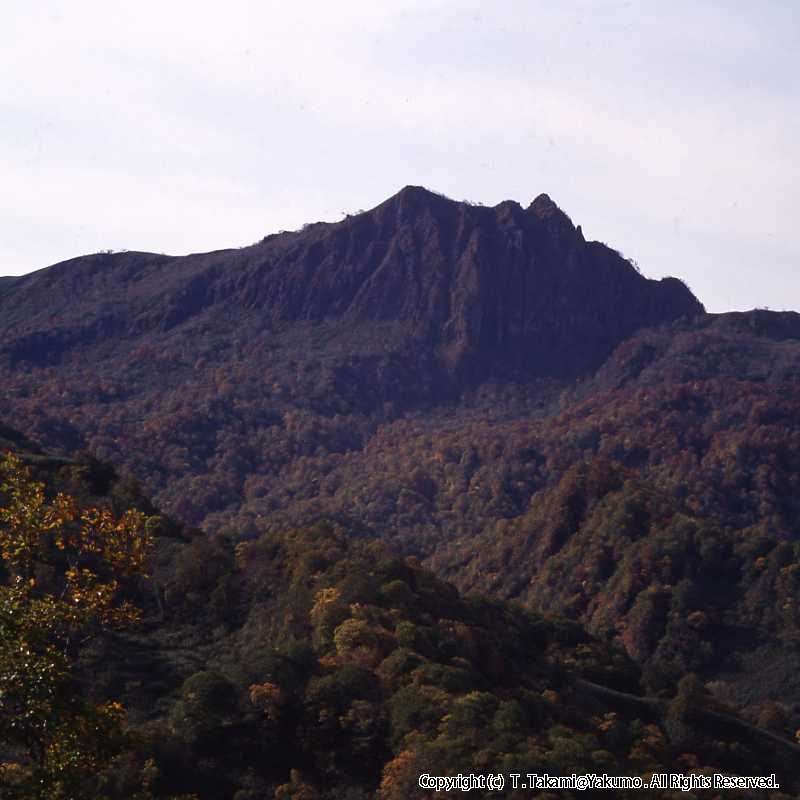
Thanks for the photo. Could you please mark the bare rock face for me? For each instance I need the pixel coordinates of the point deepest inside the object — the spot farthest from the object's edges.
(474, 292)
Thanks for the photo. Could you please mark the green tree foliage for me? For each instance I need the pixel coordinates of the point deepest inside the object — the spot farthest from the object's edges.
(335, 670)
(207, 706)
(64, 573)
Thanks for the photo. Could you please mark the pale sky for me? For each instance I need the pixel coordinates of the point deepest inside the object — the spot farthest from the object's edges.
(671, 131)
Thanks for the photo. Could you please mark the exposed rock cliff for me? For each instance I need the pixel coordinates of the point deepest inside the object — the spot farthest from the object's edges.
(481, 291)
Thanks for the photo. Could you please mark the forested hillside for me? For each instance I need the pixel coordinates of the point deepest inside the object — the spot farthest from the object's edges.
(206, 375)
(518, 410)
(311, 664)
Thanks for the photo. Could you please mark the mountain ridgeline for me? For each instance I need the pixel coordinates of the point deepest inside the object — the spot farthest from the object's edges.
(473, 292)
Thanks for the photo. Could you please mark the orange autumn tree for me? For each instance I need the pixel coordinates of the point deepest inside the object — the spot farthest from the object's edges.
(61, 571)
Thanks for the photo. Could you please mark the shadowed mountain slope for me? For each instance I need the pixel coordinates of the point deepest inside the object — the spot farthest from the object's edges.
(482, 290)
(479, 387)
(163, 363)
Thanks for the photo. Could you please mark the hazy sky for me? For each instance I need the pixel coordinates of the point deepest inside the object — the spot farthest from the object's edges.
(669, 130)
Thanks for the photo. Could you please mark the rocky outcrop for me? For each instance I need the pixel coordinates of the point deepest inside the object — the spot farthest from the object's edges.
(483, 291)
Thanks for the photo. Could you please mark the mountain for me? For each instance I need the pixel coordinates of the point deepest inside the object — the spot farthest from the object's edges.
(480, 388)
(412, 303)
(481, 291)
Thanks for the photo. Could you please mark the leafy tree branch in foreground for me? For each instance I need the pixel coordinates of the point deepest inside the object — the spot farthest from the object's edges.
(64, 571)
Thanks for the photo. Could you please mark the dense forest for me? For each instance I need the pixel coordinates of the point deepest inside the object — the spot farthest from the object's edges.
(307, 664)
(431, 471)
(657, 500)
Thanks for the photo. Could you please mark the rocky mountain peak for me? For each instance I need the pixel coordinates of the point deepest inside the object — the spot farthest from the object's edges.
(547, 212)
(477, 291)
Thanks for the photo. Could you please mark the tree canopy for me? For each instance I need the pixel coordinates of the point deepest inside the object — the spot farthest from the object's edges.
(65, 571)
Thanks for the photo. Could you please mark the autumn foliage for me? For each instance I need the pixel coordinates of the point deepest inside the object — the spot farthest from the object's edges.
(64, 570)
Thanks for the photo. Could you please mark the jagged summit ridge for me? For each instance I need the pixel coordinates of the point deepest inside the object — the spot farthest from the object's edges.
(479, 290)
(419, 198)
